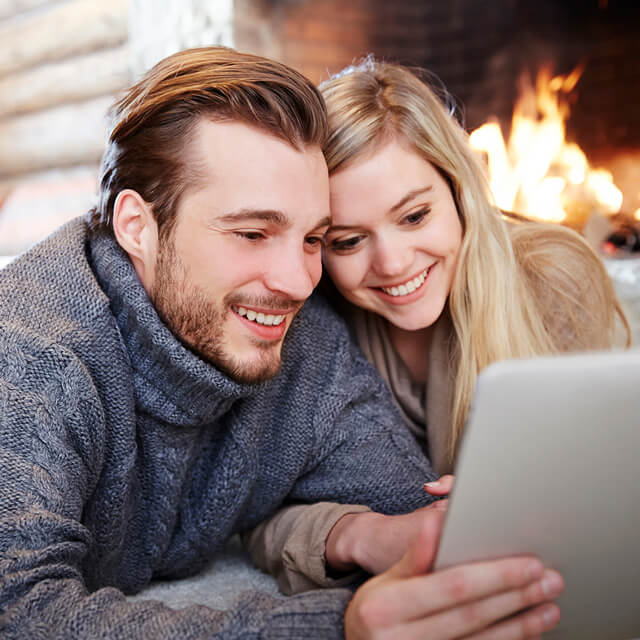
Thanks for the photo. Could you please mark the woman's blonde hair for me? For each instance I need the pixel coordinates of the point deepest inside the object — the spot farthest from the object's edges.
(517, 292)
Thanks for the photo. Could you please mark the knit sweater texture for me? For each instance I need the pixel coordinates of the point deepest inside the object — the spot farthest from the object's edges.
(125, 457)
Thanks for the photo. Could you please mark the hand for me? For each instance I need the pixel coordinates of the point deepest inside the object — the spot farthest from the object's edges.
(441, 487)
(374, 541)
(478, 601)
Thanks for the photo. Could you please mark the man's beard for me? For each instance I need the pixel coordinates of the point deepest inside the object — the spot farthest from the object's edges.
(198, 322)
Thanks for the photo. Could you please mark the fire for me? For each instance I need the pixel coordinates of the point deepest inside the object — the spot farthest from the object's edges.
(537, 172)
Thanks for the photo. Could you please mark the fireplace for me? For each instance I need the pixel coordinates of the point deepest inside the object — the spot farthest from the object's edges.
(478, 50)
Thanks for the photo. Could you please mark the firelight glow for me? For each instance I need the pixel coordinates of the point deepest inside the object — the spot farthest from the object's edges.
(537, 172)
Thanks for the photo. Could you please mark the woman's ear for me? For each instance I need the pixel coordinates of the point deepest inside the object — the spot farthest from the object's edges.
(136, 231)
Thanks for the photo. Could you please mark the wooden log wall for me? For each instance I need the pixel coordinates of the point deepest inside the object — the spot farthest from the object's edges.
(61, 63)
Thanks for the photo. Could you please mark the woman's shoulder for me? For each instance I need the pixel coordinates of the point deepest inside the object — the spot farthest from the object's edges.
(556, 257)
(569, 284)
(533, 240)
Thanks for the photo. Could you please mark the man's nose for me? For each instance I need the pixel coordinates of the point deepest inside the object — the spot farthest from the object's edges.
(290, 272)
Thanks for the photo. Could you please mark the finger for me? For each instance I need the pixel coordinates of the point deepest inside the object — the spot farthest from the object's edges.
(440, 487)
(490, 618)
(529, 624)
(429, 594)
(420, 556)
(475, 616)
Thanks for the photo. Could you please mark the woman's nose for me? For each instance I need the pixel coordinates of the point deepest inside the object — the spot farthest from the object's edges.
(391, 258)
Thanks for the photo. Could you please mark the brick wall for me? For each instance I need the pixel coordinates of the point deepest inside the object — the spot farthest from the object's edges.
(478, 49)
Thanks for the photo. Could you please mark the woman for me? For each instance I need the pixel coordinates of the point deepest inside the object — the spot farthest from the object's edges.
(433, 281)
(410, 208)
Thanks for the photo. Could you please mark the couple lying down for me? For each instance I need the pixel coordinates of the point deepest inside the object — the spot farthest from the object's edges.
(151, 406)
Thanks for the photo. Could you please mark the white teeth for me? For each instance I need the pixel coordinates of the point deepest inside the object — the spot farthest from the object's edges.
(408, 287)
(268, 320)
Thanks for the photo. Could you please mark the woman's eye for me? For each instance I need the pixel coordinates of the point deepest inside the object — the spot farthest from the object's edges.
(253, 236)
(416, 217)
(346, 244)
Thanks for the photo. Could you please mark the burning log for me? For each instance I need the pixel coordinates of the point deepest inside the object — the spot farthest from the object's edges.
(537, 172)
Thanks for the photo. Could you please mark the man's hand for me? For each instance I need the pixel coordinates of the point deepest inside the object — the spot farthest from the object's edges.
(479, 601)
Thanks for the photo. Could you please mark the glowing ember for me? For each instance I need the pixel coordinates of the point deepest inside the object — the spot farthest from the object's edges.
(537, 173)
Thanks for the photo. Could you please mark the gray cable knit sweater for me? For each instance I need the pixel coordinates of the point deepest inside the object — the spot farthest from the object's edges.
(124, 457)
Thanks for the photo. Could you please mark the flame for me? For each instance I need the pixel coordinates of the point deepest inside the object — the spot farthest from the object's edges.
(537, 172)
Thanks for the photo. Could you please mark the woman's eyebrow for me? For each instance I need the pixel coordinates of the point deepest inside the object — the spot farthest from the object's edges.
(401, 203)
(410, 196)
(342, 227)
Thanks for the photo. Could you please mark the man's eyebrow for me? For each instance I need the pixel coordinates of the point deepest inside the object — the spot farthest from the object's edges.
(410, 196)
(248, 215)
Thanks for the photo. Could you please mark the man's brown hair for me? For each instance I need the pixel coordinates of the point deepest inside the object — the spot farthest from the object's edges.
(153, 122)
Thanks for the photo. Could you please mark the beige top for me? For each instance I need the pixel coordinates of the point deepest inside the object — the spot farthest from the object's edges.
(424, 408)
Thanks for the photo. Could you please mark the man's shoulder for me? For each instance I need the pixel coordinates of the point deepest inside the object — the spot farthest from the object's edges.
(57, 256)
(50, 283)
(51, 301)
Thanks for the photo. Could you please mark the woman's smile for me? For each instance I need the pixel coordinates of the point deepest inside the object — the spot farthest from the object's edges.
(405, 292)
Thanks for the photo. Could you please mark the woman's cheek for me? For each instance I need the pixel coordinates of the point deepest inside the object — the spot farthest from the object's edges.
(345, 271)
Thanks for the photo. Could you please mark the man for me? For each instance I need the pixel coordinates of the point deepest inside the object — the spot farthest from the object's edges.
(150, 406)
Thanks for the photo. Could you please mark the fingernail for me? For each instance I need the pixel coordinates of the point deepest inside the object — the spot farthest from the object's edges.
(431, 484)
(549, 617)
(551, 584)
(534, 570)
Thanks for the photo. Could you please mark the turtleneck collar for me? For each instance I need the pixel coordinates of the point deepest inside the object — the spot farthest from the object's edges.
(171, 383)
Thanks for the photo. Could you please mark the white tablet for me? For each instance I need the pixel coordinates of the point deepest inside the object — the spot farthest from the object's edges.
(550, 465)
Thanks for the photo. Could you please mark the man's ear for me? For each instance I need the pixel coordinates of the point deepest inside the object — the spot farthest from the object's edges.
(136, 231)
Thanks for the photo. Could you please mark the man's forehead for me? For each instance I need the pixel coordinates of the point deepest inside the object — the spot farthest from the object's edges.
(241, 168)
(238, 172)
(209, 131)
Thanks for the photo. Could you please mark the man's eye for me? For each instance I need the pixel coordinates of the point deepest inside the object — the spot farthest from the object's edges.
(346, 244)
(314, 242)
(250, 235)
(416, 217)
